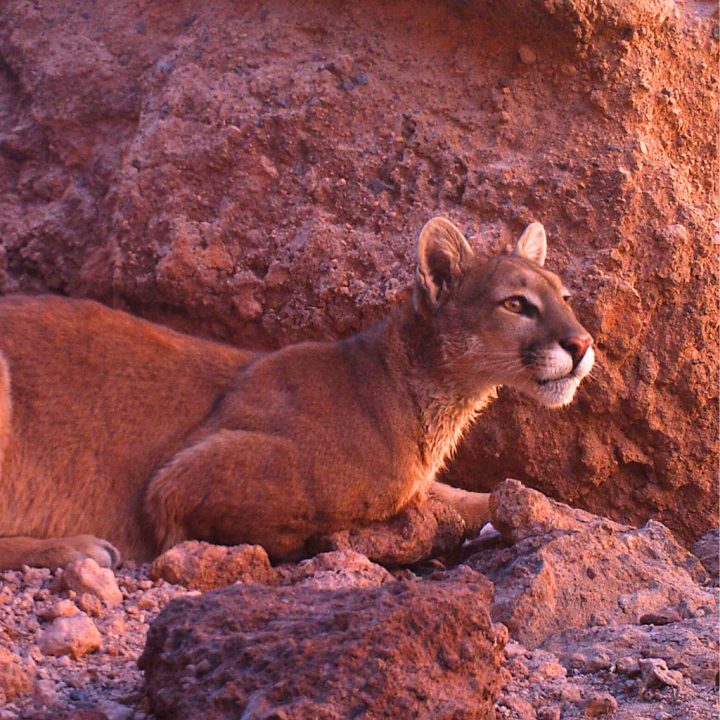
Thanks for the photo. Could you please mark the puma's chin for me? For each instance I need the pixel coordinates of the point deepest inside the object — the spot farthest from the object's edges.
(556, 393)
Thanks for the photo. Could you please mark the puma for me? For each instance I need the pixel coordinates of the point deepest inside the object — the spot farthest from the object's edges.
(121, 436)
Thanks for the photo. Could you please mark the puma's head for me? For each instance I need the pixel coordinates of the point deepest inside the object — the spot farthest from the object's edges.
(502, 321)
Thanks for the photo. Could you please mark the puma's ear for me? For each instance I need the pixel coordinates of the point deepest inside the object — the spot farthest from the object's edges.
(532, 244)
(443, 257)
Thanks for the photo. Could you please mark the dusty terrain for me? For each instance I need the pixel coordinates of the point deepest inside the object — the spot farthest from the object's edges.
(259, 173)
(573, 616)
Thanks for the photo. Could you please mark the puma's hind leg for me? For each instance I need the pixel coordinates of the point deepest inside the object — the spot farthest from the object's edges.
(55, 552)
(232, 487)
(473, 508)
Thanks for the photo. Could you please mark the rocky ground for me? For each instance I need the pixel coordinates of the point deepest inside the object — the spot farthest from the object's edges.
(564, 615)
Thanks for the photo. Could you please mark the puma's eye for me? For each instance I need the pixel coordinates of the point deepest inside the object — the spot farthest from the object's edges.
(514, 304)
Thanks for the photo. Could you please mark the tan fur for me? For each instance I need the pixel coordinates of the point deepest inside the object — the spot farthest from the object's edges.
(114, 428)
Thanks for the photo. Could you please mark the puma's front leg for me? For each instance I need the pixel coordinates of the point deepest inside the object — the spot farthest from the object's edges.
(473, 508)
(55, 552)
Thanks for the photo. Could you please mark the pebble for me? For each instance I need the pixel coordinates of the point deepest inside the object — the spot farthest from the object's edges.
(60, 608)
(660, 618)
(600, 704)
(86, 576)
(655, 673)
(45, 693)
(527, 55)
(549, 713)
(628, 666)
(90, 604)
(76, 635)
(16, 675)
(597, 662)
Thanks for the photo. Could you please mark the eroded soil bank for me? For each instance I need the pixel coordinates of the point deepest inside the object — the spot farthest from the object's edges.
(259, 171)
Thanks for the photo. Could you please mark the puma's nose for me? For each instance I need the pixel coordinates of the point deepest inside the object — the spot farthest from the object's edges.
(577, 347)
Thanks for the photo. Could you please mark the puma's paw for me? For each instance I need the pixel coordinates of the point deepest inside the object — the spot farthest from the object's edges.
(80, 547)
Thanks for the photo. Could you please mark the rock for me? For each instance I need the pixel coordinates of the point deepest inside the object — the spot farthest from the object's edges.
(549, 713)
(600, 704)
(527, 55)
(45, 693)
(660, 618)
(689, 645)
(335, 570)
(202, 566)
(628, 666)
(89, 604)
(60, 608)
(655, 673)
(16, 675)
(75, 635)
(570, 569)
(519, 512)
(405, 649)
(419, 532)
(86, 576)
(707, 549)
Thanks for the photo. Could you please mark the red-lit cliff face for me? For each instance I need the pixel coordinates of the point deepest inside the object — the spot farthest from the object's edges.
(258, 172)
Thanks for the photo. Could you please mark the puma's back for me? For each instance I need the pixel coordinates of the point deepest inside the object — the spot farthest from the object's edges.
(98, 400)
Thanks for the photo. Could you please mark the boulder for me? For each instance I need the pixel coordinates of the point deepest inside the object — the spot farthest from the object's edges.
(202, 566)
(569, 569)
(405, 649)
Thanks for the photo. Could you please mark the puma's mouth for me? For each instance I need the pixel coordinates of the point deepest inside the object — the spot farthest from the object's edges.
(559, 391)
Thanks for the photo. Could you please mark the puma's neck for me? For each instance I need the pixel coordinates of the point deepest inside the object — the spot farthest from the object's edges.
(444, 410)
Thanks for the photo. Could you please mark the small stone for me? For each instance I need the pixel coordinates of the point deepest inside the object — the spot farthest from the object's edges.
(707, 550)
(16, 675)
(655, 673)
(597, 662)
(269, 167)
(662, 715)
(87, 576)
(147, 602)
(61, 608)
(628, 666)
(600, 704)
(571, 694)
(660, 618)
(45, 693)
(34, 577)
(115, 626)
(75, 635)
(549, 713)
(89, 604)
(527, 55)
